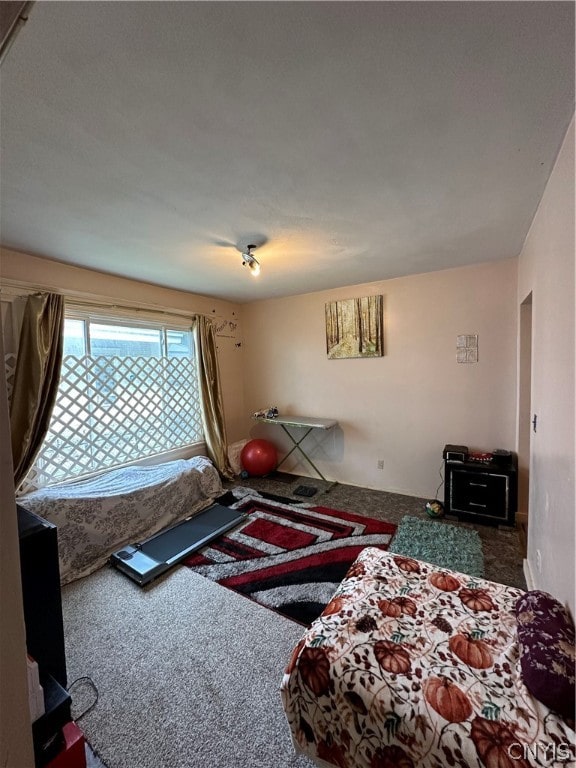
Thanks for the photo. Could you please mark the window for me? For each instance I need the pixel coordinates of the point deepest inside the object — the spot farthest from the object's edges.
(127, 392)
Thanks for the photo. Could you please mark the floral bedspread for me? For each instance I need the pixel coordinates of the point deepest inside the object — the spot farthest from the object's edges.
(411, 665)
(96, 517)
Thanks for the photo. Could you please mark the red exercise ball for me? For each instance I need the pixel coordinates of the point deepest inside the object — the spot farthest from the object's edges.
(259, 457)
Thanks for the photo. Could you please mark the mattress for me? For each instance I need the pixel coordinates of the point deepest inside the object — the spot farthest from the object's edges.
(97, 516)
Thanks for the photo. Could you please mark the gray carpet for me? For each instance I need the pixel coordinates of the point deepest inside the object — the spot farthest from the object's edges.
(501, 546)
(188, 673)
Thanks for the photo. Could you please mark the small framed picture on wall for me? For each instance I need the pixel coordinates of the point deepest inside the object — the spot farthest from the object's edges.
(354, 328)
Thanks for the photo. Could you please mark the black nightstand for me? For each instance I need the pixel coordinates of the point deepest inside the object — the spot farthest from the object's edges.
(479, 492)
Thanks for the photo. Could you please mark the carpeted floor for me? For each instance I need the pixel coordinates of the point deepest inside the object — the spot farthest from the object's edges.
(188, 673)
(501, 546)
(288, 557)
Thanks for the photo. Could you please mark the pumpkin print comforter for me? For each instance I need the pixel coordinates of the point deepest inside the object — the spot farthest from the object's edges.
(411, 665)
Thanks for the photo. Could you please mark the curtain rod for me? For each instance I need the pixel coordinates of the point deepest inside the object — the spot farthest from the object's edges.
(79, 299)
(130, 308)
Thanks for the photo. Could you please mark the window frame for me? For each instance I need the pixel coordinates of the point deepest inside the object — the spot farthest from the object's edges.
(135, 319)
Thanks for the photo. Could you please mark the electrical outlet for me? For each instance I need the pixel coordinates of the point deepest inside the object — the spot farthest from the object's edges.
(539, 560)
(380, 463)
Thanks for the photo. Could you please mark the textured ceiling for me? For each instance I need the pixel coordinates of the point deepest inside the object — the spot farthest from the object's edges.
(357, 141)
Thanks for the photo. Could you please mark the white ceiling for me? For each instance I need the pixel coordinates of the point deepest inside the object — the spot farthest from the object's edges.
(362, 141)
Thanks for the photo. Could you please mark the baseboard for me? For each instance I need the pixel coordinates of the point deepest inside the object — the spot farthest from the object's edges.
(528, 575)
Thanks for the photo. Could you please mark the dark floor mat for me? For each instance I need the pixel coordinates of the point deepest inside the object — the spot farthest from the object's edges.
(305, 490)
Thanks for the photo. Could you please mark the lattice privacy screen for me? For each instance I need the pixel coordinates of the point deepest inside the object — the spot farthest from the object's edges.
(10, 368)
(114, 410)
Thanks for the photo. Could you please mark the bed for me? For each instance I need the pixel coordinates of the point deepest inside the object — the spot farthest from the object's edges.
(95, 517)
(411, 665)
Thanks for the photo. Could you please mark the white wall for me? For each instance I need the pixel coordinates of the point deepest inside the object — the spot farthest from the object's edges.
(401, 408)
(45, 273)
(546, 267)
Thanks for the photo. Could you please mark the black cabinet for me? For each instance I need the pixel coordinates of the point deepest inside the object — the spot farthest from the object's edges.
(44, 628)
(41, 593)
(481, 492)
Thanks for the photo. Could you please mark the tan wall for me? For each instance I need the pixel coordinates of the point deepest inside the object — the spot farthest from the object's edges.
(15, 729)
(546, 267)
(64, 278)
(401, 408)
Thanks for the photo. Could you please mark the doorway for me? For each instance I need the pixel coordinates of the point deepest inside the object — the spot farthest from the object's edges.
(524, 422)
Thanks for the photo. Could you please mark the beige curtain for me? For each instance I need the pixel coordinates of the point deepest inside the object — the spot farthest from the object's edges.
(211, 394)
(35, 378)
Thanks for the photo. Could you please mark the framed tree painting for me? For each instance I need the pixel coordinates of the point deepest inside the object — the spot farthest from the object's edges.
(354, 328)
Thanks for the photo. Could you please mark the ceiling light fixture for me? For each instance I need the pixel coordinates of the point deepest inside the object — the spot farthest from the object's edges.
(250, 261)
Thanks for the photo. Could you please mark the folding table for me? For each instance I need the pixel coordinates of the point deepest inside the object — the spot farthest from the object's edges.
(300, 422)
